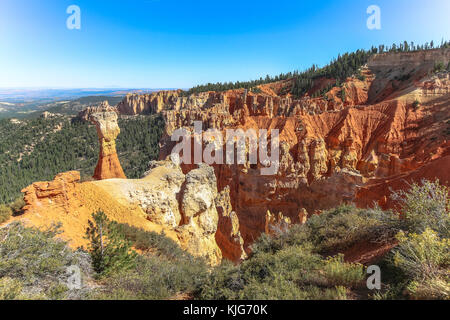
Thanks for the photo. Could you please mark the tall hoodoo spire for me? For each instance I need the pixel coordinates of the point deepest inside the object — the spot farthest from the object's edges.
(108, 165)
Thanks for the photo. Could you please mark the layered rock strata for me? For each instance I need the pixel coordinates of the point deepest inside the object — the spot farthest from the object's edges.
(393, 126)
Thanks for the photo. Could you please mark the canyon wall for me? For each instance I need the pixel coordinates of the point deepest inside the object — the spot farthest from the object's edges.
(331, 151)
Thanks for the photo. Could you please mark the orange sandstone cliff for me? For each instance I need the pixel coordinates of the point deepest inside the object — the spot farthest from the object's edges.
(392, 128)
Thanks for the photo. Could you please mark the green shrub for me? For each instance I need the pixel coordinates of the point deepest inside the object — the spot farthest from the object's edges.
(293, 272)
(27, 253)
(416, 104)
(418, 266)
(343, 95)
(15, 289)
(425, 258)
(296, 235)
(10, 289)
(14, 208)
(33, 264)
(362, 77)
(422, 255)
(425, 206)
(263, 276)
(5, 213)
(439, 66)
(278, 288)
(339, 273)
(337, 229)
(225, 282)
(109, 250)
(17, 205)
(153, 242)
(154, 278)
(429, 289)
(57, 291)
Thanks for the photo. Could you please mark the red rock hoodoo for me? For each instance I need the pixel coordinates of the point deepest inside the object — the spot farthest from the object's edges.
(105, 120)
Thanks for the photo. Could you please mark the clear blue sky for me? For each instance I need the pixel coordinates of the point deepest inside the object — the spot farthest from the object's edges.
(168, 43)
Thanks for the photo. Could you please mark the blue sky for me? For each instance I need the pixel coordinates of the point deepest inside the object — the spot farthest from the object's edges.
(168, 43)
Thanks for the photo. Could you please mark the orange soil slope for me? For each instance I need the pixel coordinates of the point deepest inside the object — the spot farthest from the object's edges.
(67, 201)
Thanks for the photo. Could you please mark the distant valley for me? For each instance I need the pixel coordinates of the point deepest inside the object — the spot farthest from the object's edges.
(30, 103)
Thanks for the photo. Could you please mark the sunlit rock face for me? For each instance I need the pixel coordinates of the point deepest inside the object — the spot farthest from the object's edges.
(331, 151)
(228, 235)
(108, 165)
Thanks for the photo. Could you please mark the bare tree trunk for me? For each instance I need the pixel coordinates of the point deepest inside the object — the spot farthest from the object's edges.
(101, 238)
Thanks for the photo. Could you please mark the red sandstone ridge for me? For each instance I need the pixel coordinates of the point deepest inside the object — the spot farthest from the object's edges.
(105, 120)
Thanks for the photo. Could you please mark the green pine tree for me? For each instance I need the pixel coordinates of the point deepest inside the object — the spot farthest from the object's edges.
(343, 95)
(109, 250)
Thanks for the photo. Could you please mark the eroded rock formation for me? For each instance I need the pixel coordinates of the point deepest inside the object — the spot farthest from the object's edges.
(187, 204)
(56, 192)
(105, 120)
(331, 151)
(228, 235)
(187, 207)
(276, 224)
(85, 114)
